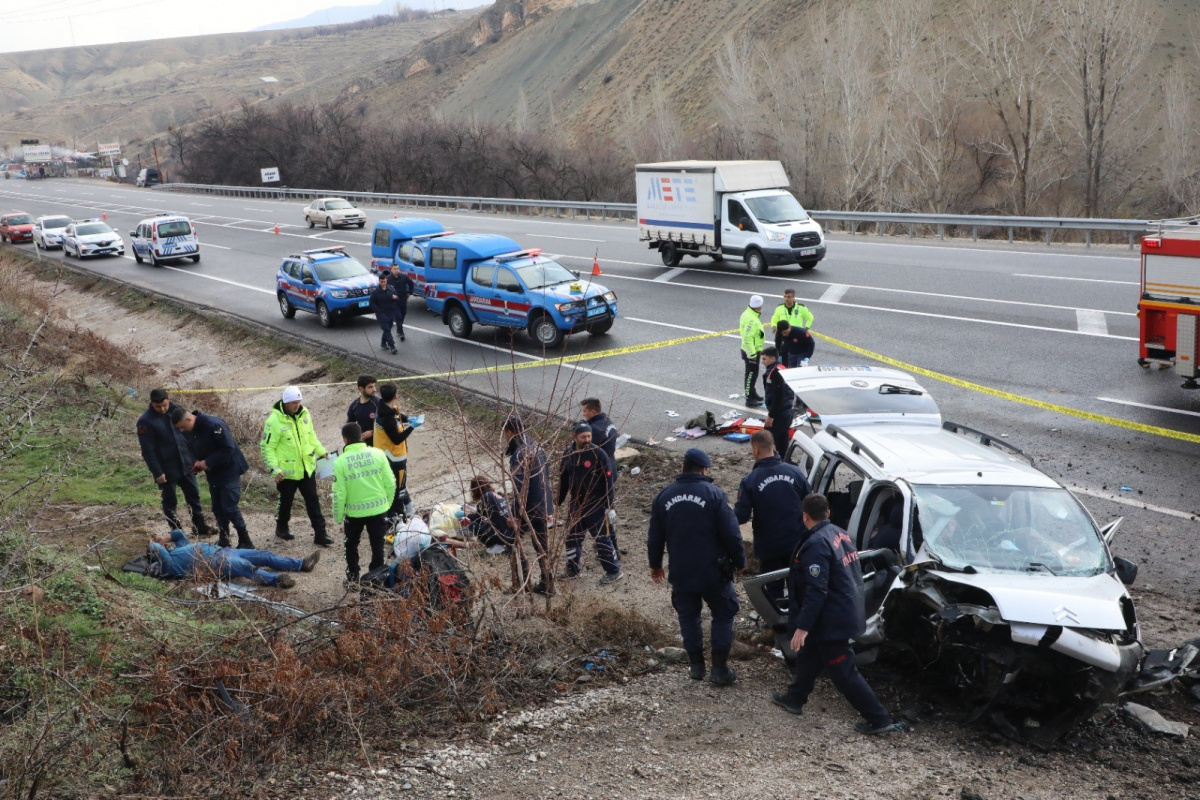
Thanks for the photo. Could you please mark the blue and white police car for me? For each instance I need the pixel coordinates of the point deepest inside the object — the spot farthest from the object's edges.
(91, 237)
(326, 282)
(164, 237)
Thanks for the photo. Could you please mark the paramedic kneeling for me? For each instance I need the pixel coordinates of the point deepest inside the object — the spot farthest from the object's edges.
(826, 612)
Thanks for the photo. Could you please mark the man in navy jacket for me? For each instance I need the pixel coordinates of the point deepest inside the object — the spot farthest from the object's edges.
(772, 493)
(586, 476)
(220, 459)
(166, 455)
(692, 520)
(825, 613)
(780, 399)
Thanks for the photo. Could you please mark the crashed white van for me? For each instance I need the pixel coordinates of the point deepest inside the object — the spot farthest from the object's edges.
(976, 564)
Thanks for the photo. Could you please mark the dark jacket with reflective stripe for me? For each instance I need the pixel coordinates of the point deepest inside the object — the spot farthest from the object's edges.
(826, 586)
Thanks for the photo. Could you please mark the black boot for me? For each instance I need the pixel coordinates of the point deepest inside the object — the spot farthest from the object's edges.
(244, 542)
(223, 536)
(201, 527)
(697, 671)
(321, 538)
(721, 675)
(282, 532)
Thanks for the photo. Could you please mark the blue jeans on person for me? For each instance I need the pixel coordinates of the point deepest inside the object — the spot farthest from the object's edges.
(249, 564)
(722, 602)
(595, 524)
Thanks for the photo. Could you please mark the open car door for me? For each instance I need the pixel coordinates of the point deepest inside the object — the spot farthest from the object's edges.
(857, 395)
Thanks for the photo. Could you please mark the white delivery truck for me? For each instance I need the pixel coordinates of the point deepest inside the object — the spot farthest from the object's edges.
(725, 209)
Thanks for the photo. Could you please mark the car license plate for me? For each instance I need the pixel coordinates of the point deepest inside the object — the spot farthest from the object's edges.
(812, 251)
(364, 303)
(592, 312)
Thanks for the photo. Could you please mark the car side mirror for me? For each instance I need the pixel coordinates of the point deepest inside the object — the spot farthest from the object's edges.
(133, 234)
(746, 224)
(1126, 570)
(308, 281)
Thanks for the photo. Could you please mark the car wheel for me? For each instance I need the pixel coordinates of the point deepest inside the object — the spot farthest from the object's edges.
(755, 263)
(196, 258)
(460, 324)
(601, 328)
(137, 256)
(670, 255)
(808, 265)
(329, 223)
(362, 224)
(154, 262)
(323, 315)
(285, 306)
(545, 332)
(311, 224)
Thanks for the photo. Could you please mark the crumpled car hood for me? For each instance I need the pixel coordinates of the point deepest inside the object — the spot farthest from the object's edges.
(1042, 599)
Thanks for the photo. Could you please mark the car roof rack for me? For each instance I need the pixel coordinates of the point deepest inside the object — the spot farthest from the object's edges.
(519, 254)
(855, 445)
(423, 236)
(987, 440)
(336, 249)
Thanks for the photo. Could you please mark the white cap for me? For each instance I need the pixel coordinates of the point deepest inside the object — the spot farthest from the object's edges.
(291, 394)
(756, 301)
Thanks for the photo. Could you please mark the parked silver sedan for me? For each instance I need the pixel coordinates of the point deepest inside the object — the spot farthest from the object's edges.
(333, 212)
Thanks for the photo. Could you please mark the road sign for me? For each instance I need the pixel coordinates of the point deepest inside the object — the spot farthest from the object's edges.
(30, 141)
(270, 175)
(111, 149)
(35, 153)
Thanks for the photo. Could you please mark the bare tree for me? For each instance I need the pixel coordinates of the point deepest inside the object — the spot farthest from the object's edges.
(1009, 58)
(737, 92)
(668, 138)
(1180, 161)
(1102, 46)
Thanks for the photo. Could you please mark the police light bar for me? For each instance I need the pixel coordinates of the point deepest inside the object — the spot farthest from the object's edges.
(519, 254)
(338, 249)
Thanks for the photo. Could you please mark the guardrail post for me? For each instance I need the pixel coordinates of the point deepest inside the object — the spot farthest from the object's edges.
(1048, 232)
(974, 233)
(942, 232)
(1131, 241)
(1087, 238)
(879, 229)
(1010, 235)
(910, 230)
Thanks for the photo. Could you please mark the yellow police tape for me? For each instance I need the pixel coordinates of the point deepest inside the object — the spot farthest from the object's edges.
(1016, 398)
(549, 362)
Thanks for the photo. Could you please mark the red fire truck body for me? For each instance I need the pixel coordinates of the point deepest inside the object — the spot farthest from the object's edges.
(1169, 309)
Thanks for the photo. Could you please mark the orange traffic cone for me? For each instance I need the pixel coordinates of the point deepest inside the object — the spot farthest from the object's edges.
(276, 228)
(596, 267)
(104, 216)
(395, 215)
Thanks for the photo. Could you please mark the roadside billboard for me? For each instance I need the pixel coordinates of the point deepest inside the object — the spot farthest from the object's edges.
(37, 153)
(111, 149)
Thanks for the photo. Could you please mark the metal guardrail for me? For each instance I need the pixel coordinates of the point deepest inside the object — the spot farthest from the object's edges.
(883, 221)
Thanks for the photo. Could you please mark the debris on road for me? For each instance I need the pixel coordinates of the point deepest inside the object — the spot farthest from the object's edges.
(1151, 721)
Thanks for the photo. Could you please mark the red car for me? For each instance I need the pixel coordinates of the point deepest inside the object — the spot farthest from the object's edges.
(16, 227)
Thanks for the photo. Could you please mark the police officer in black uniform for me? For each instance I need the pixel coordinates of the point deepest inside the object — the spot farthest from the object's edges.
(220, 459)
(604, 436)
(404, 288)
(383, 305)
(692, 520)
(795, 344)
(364, 408)
(166, 454)
(586, 475)
(826, 612)
(772, 494)
(781, 400)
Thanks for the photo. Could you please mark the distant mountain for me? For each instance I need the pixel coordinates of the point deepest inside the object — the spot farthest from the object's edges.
(338, 15)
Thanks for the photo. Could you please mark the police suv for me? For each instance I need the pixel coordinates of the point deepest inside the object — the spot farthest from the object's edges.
(326, 282)
(164, 237)
(974, 561)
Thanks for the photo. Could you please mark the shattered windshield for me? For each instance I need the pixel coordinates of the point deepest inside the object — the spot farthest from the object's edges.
(1009, 529)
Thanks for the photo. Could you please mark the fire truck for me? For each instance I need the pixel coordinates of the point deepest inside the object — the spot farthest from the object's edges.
(1169, 309)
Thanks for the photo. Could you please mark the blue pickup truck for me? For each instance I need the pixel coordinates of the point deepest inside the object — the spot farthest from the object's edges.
(484, 279)
(393, 242)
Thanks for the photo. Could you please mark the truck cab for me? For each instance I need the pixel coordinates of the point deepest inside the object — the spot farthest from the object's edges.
(392, 243)
(484, 279)
(726, 209)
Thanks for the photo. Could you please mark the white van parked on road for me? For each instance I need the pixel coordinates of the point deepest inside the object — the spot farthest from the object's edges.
(165, 237)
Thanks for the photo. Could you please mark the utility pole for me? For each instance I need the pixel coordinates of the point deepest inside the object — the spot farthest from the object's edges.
(161, 177)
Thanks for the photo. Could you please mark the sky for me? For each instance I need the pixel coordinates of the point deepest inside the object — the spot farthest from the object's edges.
(43, 24)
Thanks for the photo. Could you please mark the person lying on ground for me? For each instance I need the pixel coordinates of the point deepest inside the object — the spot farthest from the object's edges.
(172, 555)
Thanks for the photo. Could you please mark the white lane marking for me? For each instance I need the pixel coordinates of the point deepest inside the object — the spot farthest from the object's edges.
(568, 238)
(841, 240)
(677, 327)
(262, 210)
(670, 275)
(907, 312)
(221, 280)
(806, 282)
(218, 246)
(203, 205)
(1091, 321)
(1147, 405)
(1063, 278)
(1128, 501)
(835, 293)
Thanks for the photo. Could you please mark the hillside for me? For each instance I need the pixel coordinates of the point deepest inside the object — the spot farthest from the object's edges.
(135, 90)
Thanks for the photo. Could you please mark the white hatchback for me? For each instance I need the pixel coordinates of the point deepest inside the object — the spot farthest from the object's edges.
(48, 231)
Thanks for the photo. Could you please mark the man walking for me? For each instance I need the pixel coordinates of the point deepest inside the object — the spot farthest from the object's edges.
(825, 613)
(365, 408)
(586, 476)
(753, 336)
(532, 504)
(798, 317)
(174, 556)
(220, 459)
(290, 449)
(383, 305)
(392, 430)
(772, 494)
(403, 287)
(692, 520)
(166, 454)
(781, 401)
(604, 436)
(363, 489)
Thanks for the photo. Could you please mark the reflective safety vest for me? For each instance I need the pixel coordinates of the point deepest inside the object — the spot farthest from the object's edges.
(798, 317)
(752, 331)
(363, 483)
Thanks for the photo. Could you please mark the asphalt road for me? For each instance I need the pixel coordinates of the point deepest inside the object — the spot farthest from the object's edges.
(1053, 324)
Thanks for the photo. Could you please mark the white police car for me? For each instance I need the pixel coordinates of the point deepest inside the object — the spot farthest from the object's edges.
(164, 237)
(91, 237)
